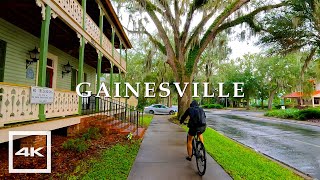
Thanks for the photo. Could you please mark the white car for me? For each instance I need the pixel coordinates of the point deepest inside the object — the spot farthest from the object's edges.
(159, 109)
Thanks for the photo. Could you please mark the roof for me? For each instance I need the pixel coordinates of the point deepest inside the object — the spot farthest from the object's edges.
(294, 95)
(300, 94)
(317, 93)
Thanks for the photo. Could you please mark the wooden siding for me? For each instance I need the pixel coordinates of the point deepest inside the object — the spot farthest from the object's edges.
(19, 42)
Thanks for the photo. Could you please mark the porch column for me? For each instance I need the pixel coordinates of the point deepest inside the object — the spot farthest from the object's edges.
(44, 40)
(125, 75)
(312, 101)
(111, 69)
(120, 61)
(81, 53)
(99, 57)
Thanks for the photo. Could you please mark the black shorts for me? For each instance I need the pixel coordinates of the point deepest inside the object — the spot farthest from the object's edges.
(193, 131)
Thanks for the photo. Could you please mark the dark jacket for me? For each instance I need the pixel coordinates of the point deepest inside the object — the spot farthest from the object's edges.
(193, 114)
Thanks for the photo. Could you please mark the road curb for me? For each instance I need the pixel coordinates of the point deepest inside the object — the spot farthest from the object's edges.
(290, 121)
(296, 171)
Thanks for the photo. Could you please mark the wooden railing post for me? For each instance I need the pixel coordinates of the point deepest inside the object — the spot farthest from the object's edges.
(44, 40)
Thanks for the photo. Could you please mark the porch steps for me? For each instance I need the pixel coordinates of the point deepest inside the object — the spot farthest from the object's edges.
(139, 132)
(119, 127)
(132, 128)
(112, 123)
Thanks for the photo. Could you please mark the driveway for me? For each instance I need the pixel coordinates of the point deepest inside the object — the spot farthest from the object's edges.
(295, 144)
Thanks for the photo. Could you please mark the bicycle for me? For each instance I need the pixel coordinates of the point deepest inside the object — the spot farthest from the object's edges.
(199, 152)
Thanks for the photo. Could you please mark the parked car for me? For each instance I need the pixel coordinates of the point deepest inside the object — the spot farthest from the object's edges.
(159, 109)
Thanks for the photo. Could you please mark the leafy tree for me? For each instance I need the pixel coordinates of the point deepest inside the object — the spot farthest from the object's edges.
(185, 29)
(294, 28)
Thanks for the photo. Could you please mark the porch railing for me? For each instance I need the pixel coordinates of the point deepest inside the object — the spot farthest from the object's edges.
(15, 104)
(112, 108)
(65, 103)
(72, 9)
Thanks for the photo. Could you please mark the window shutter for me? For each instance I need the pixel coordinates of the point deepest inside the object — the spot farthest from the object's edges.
(73, 79)
(3, 47)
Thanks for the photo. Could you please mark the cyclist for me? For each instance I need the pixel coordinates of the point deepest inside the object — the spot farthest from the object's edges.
(196, 124)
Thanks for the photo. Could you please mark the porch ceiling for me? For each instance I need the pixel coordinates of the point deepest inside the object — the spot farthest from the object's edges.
(27, 15)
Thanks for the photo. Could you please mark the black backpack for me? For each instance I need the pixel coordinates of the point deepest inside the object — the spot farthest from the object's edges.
(197, 116)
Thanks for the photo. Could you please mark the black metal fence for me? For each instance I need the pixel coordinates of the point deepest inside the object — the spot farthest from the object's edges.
(107, 107)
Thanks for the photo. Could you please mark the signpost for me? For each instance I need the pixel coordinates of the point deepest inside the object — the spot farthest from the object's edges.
(41, 95)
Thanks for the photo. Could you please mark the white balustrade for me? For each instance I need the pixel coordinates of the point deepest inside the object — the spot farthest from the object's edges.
(72, 8)
(15, 104)
(65, 103)
(123, 63)
(106, 44)
(92, 29)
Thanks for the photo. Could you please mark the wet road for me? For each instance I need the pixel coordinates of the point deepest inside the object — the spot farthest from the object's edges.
(294, 144)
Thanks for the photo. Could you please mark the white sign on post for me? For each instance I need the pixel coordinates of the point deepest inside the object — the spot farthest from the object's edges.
(41, 95)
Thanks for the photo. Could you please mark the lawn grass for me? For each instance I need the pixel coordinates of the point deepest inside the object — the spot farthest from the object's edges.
(242, 162)
(147, 118)
(112, 163)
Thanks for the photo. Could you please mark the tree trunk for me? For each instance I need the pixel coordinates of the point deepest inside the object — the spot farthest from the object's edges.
(185, 100)
(248, 103)
(262, 105)
(271, 97)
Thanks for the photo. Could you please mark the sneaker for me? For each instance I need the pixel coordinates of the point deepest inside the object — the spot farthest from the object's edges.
(188, 158)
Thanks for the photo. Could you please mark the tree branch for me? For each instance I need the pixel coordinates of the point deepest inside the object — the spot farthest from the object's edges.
(149, 7)
(161, 47)
(198, 29)
(248, 18)
(196, 51)
(173, 23)
(307, 61)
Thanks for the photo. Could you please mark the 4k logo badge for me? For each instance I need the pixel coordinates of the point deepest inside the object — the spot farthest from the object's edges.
(30, 151)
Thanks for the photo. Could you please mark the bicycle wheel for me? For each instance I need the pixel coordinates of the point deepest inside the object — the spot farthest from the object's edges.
(201, 158)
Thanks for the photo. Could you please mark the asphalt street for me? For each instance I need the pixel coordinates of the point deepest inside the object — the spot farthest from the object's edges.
(295, 144)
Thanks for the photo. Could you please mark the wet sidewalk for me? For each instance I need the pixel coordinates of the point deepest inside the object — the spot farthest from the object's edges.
(162, 155)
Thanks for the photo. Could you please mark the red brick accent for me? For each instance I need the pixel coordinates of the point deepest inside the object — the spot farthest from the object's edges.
(33, 141)
(73, 130)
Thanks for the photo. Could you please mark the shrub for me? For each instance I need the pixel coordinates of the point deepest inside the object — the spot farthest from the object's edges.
(92, 133)
(283, 113)
(212, 106)
(311, 113)
(304, 114)
(79, 145)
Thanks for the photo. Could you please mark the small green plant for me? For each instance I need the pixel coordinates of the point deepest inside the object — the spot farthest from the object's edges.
(129, 136)
(92, 133)
(78, 144)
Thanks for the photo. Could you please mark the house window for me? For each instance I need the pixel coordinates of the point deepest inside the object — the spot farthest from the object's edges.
(3, 47)
(74, 80)
(316, 100)
(49, 74)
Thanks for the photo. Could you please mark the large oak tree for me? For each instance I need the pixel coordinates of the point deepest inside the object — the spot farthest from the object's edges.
(186, 27)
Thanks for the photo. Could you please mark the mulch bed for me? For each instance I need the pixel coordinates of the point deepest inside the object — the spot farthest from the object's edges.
(63, 161)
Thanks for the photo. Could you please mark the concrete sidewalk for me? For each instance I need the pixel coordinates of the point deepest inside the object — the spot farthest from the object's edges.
(162, 155)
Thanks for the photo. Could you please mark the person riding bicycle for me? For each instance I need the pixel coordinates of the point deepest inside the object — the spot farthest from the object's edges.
(196, 124)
